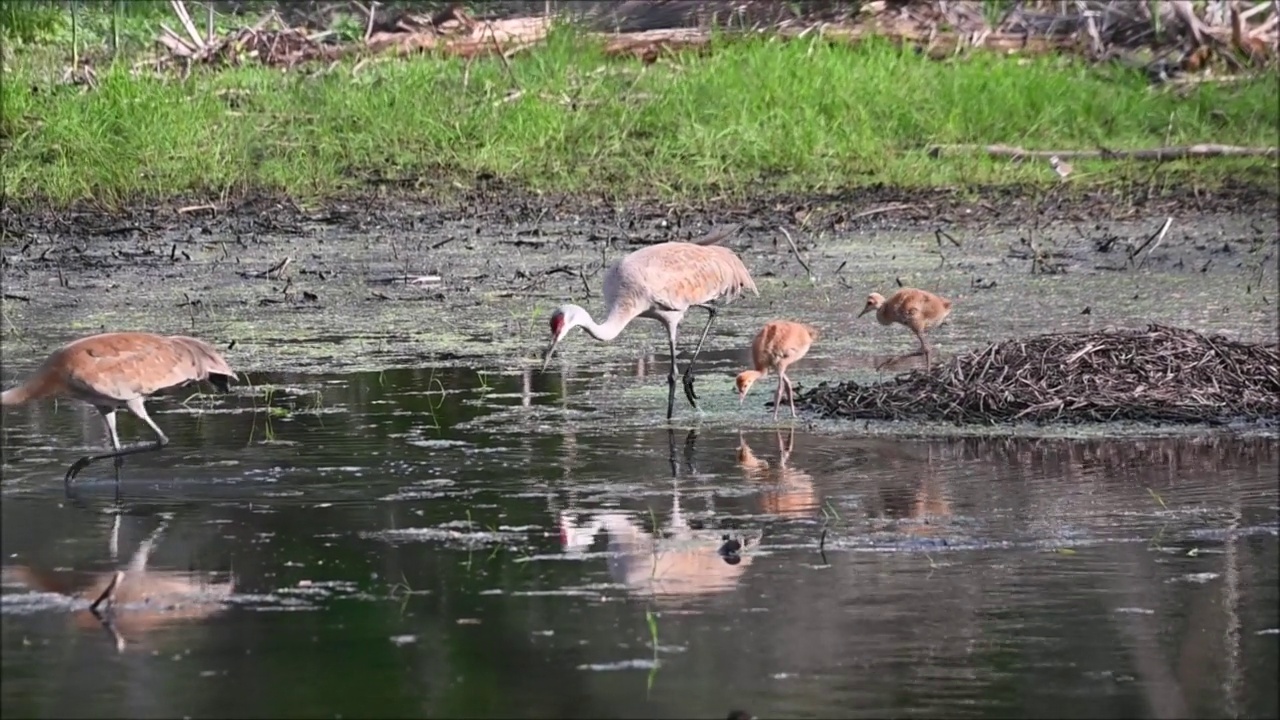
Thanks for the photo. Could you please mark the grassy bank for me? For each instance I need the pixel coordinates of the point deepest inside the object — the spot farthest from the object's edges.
(751, 115)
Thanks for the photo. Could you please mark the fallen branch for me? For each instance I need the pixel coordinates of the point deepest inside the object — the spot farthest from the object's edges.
(1158, 154)
(796, 250)
(180, 9)
(891, 207)
(1158, 238)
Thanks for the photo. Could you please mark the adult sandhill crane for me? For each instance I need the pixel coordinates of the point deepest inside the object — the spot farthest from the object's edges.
(777, 345)
(662, 282)
(916, 309)
(121, 369)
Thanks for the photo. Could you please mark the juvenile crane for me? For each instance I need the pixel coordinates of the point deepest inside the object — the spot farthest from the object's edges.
(662, 282)
(915, 309)
(121, 369)
(776, 347)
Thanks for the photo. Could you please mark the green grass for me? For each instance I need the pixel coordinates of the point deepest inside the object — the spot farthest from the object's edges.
(753, 115)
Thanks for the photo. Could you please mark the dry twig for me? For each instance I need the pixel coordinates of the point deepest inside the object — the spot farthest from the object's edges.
(796, 251)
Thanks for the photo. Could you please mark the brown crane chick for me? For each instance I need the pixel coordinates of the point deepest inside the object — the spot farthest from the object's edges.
(913, 308)
(776, 347)
(121, 369)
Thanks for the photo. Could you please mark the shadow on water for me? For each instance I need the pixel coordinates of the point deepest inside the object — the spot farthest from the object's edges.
(462, 543)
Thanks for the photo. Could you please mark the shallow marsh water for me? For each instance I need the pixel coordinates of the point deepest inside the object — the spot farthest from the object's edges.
(395, 551)
(373, 526)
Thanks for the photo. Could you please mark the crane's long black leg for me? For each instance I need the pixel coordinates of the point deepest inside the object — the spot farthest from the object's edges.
(688, 372)
(109, 624)
(924, 349)
(671, 442)
(106, 616)
(671, 374)
(84, 462)
(690, 450)
(137, 408)
(108, 595)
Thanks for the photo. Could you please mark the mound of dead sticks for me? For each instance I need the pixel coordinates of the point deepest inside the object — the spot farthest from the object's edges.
(1158, 374)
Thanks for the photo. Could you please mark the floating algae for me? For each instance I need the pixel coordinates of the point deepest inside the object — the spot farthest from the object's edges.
(1159, 374)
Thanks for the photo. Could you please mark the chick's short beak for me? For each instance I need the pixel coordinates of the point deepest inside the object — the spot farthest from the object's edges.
(865, 310)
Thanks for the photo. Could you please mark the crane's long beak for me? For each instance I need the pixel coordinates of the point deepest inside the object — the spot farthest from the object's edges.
(546, 355)
(866, 310)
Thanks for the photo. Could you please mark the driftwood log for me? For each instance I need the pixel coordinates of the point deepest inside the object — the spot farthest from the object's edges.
(1157, 374)
(1157, 154)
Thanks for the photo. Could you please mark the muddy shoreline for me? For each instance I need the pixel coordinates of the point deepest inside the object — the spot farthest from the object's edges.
(391, 281)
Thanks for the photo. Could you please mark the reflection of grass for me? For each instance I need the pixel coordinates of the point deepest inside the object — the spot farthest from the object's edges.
(405, 591)
(830, 516)
(315, 404)
(268, 410)
(1157, 497)
(649, 616)
(652, 619)
(1155, 539)
(432, 407)
(653, 546)
(204, 399)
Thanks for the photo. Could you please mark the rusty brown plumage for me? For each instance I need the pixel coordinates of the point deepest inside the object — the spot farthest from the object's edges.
(121, 369)
(778, 344)
(917, 310)
(662, 282)
(790, 492)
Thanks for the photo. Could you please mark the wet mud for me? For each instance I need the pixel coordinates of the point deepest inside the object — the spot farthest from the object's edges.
(372, 283)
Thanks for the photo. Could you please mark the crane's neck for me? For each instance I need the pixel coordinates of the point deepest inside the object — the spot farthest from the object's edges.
(18, 396)
(39, 385)
(607, 330)
(882, 315)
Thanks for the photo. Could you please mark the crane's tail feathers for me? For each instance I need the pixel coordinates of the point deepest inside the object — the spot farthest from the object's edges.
(718, 234)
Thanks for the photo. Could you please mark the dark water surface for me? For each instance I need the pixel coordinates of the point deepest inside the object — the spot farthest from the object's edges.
(451, 543)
